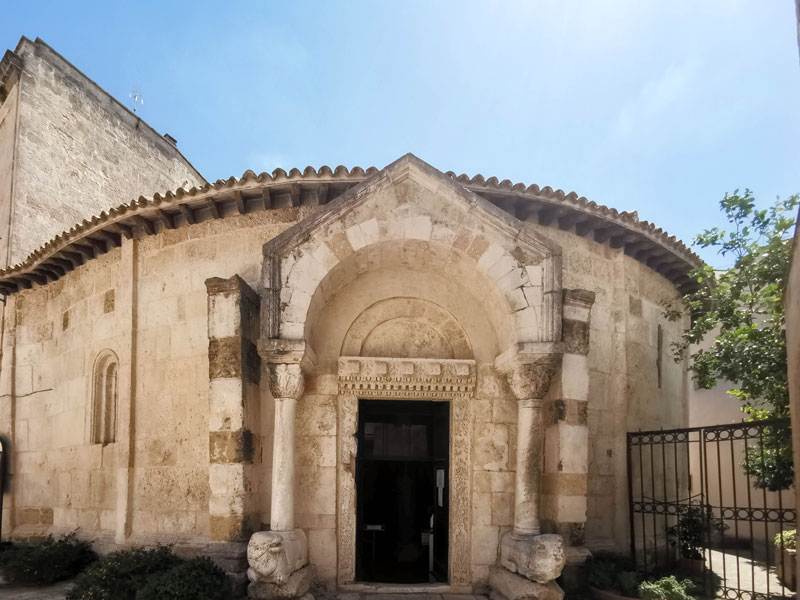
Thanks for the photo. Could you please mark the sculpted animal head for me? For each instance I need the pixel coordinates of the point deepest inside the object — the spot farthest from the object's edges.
(267, 558)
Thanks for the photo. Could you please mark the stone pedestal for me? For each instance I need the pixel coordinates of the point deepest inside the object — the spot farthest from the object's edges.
(296, 586)
(539, 558)
(510, 586)
(278, 565)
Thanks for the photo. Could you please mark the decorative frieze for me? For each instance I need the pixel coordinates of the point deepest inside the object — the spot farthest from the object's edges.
(423, 379)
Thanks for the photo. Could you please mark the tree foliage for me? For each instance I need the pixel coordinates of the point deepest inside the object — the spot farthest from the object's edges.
(742, 308)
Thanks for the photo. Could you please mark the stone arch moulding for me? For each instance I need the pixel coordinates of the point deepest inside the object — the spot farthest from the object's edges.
(523, 266)
(412, 204)
(102, 413)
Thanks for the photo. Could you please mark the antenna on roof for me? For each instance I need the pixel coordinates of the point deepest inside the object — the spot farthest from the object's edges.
(136, 98)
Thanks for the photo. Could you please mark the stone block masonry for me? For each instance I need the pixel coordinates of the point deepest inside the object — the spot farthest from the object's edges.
(74, 141)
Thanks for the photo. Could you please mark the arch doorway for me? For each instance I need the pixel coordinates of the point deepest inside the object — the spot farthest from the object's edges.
(402, 491)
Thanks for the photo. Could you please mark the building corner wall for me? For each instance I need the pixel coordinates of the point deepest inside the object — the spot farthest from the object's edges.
(78, 152)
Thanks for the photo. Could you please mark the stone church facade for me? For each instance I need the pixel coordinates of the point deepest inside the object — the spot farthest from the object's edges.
(279, 360)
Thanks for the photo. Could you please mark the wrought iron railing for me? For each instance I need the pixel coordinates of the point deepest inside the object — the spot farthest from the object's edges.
(700, 504)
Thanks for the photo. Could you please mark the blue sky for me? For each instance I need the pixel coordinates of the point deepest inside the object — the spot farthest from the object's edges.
(653, 106)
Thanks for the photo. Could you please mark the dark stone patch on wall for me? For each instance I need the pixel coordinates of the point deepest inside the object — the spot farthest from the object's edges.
(108, 301)
(225, 357)
(635, 306)
(576, 336)
(230, 446)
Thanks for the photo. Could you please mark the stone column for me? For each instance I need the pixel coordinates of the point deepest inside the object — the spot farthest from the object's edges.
(529, 382)
(530, 561)
(278, 558)
(286, 385)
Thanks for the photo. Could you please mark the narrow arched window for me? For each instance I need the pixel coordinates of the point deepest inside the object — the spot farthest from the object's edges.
(104, 399)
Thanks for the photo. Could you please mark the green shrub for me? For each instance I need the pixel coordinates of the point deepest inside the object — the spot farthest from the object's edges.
(45, 562)
(612, 572)
(155, 574)
(789, 539)
(666, 588)
(195, 579)
(121, 574)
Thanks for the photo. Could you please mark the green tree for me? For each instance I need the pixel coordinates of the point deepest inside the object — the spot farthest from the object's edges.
(742, 308)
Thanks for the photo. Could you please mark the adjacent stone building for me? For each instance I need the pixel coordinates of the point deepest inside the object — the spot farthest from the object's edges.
(369, 367)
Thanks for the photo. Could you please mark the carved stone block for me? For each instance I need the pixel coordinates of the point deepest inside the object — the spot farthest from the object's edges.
(539, 558)
(510, 586)
(296, 586)
(274, 557)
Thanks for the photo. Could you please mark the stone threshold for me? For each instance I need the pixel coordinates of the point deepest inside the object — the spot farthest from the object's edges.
(407, 588)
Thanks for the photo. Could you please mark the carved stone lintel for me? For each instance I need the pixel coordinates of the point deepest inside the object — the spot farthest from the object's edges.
(532, 379)
(286, 380)
(540, 558)
(273, 556)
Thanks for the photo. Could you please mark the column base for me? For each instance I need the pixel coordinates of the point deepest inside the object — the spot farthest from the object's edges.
(511, 586)
(295, 587)
(275, 559)
(539, 558)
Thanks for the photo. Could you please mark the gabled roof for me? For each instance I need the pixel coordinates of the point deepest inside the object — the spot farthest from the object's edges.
(149, 216)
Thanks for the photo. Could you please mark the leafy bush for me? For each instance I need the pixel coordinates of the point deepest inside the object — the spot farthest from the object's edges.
(607, 571)
(45, 562)
(195, 579)
(155, 574)
(121, 574)
(789, 538)
(690, 534)
(666, 588)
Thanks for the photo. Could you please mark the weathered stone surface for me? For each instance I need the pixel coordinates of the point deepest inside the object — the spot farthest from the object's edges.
(275, 556)
(417, 272)
(510, 586)
(295, 586)
(230, 446)
(72, 138)
(539, 558)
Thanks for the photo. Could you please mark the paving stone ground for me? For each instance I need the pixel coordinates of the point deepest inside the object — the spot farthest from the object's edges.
(57, 591)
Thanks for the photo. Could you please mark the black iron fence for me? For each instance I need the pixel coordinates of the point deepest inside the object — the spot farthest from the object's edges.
(711, 502)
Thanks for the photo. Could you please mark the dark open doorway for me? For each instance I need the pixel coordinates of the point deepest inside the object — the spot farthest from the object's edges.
(402, 491)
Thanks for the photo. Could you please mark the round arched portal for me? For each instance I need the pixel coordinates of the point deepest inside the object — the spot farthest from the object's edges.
(407, 321)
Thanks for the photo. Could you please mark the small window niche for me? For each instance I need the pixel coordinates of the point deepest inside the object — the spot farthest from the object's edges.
(103, 424)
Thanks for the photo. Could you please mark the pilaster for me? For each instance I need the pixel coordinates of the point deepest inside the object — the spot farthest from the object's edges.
(234, 372)
(565, 480)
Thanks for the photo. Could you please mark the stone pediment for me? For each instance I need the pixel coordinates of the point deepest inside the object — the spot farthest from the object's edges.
(410, 208)
(409, 167)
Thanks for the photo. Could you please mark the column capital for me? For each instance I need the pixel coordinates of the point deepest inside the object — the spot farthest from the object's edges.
(287, 351)
(530, 380)
(286, 380)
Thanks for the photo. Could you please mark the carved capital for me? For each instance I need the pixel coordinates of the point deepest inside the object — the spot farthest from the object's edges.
(532, 379)
(285, 380)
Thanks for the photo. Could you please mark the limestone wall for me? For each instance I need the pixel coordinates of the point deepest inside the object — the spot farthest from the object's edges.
(623, 390)
(51, 337)
(8, 130)
(78, 152)
(153, 287)
(158, 488)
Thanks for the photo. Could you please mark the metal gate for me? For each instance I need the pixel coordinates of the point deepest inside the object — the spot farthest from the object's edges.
(699, 508)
